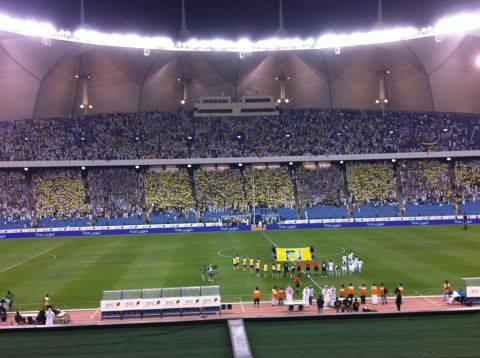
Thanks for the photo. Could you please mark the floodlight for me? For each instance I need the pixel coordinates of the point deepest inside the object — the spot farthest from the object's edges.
(90, 106)
(137, 166)
(182, 101)
(449, 159)
(394, 160)
(25, 169)
(83, 168)
(189, 165)
(82, 106)
(385, 100)
(287, 100)
(377, 101)
(279, 100)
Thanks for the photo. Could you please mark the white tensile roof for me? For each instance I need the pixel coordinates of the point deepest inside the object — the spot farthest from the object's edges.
(37, 81)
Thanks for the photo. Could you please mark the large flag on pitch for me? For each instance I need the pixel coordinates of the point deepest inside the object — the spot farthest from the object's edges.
(294, 254)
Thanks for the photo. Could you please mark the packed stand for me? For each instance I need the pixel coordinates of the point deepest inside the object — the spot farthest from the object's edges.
(169, 196)
(177, 134)
(467, 175)
(269, 187)
(219, 192)
(372, 188)
(15, 209)
(426, 188)
(321, 192)
(116, 196)
(59, 196)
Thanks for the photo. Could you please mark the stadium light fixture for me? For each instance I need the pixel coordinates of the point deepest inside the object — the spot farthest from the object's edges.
(459, 23)
(290, 163)
(182, 102)
(385, 100)
(341, 162)
(25, 169)
(240, 164)
(279, 100)
(90, 106)
(377, 101)
(82, 106)
(189, 165)
(449, 159)
(394, 160)
(83, 168)
(286, 100)
(137, 166)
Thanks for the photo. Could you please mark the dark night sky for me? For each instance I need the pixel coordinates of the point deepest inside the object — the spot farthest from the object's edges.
(234, 19)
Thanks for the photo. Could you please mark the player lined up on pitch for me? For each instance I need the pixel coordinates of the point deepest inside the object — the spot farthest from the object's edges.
(350, 264)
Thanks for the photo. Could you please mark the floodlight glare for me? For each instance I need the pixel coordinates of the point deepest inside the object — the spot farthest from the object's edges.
(182, 101)
(287, 100)
(377, 101)
(478, 61)
(454, 24)
(82, 106)
(90, 106)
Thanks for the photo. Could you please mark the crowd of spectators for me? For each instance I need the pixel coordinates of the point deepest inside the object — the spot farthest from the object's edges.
(59, 193)
(177, 134)
(220, 190)
(467, 175)
(14, 200)
(269, 187)
(324, 186)
(426, 181)
(115, 192)
(371, 183)
(169, 190)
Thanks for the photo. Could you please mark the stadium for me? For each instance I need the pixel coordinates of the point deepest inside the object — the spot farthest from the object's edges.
(195, 196)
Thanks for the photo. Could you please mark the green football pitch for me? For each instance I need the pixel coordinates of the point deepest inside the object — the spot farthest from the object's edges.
(75, 271)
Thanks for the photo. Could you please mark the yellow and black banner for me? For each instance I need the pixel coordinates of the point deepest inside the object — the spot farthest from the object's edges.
(293, 254)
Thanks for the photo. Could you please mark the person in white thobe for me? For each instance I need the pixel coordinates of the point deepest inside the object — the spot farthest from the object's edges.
(50, 316)
(289, 294)
(306, 294)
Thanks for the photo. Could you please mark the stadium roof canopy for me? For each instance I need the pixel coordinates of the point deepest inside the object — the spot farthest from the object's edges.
(39, 72)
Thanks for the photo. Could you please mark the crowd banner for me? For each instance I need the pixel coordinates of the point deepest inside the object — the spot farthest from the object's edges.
(293, 254)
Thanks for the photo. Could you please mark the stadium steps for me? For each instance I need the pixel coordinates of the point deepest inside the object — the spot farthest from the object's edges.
(398, 189)
(293, 178)
(239, 339)
(191, 179)
(453, 186)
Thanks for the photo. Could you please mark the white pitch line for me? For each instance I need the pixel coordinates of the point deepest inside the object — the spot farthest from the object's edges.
(30, 258)
(94, 313)
(427, 299)
(241, 304)
(267, 237)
